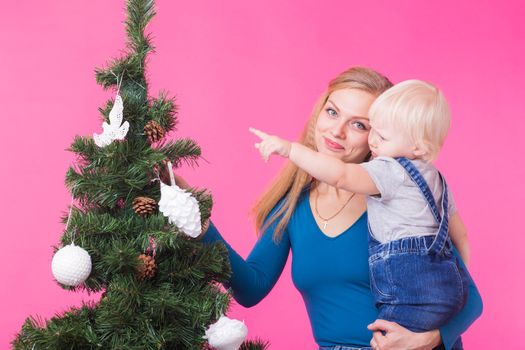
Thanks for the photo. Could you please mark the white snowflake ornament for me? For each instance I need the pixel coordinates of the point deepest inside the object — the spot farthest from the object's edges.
(71, 265)
(115, 130)
(226, 334)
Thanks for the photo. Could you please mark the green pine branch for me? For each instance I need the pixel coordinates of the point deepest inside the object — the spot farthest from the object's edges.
(256, 344)
(140, 13)
(181, 150)
(131, 68)
(164, 111)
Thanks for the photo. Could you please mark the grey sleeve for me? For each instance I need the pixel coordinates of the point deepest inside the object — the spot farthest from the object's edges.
(387, 175)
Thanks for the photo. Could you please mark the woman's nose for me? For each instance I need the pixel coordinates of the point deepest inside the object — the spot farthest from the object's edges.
(339, 130)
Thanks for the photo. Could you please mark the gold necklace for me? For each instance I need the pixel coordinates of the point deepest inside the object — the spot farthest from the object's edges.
(325, 223)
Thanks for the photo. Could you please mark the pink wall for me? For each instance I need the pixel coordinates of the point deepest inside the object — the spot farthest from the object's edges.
(262, 64)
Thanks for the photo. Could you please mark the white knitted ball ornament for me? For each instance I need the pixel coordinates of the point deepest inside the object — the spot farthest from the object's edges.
(71, 265)
(226, 334)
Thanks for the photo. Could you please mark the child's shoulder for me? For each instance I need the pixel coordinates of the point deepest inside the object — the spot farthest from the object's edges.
(425, 167)
(393, 163)
(383, 162)
(383, 159)
(381, 168)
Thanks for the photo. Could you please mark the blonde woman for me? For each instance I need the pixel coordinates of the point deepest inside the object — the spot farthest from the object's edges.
(313, 218)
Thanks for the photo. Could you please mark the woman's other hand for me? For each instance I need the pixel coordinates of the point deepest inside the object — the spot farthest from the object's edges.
(391, 336)
(181, 182)
(271, 144)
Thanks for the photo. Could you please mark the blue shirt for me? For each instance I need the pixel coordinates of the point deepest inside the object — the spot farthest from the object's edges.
(330, 273)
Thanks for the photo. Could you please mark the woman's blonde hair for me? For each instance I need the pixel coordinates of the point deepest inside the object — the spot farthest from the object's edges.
(291, 181)
(417, 109)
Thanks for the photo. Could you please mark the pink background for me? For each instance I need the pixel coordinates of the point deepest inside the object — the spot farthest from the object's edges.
(237, 64)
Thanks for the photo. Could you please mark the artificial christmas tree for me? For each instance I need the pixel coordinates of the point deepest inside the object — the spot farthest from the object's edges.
(160, 285)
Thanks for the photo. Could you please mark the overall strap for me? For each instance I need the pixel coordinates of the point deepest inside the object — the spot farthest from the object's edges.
(442, 237)
(419, 180)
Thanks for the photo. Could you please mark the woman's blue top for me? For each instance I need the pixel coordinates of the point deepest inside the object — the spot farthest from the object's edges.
(330, 273)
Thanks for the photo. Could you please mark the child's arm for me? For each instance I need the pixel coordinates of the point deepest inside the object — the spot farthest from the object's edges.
(347, 176)
(458, 234)
(333, 171)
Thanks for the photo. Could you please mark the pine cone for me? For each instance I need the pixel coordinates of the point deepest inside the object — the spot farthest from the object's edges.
(154, 131)
(144, 206)
(147, 267)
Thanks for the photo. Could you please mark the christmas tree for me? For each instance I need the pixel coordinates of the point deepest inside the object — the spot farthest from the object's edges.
(130, 233)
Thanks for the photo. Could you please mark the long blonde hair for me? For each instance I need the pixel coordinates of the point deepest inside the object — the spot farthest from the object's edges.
(291, 180)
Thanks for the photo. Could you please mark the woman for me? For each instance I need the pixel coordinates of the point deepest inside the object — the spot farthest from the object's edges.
(327, 231)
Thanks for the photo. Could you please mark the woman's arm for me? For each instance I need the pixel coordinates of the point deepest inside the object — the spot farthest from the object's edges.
(253, 278)
(451, 331)
(458, 234)
(402, 338)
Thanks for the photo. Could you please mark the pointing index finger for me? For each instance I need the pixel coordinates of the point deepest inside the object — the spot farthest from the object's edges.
(258, 133)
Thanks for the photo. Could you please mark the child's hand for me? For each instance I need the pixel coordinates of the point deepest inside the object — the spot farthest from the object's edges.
(271, 144)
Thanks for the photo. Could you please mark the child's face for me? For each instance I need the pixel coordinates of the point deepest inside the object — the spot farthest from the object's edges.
(342, 126)
(386, 140)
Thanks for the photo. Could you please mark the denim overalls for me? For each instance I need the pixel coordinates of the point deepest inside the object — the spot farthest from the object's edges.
(417, 281)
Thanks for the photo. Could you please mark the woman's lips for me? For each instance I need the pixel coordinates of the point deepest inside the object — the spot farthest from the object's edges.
(333, 145)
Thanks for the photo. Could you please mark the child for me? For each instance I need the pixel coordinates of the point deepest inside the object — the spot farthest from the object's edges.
(414, 276)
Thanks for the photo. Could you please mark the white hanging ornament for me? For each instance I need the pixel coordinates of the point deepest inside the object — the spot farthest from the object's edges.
(115, 130)
(226, 334)
(180, 207)
(71, 265)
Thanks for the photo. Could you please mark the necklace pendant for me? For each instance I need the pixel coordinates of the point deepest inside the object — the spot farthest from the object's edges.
(325, 224)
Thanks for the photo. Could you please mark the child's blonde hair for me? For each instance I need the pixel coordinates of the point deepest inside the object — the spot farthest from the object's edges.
(418, 109)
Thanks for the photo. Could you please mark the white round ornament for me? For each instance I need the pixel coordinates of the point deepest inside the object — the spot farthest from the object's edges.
(71, 265)
(226, 334)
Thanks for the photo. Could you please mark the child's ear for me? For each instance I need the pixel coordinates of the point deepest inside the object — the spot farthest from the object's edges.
(420, 149)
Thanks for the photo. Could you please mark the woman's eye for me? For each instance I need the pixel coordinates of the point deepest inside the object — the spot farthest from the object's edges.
(331, 112)
(360, 126)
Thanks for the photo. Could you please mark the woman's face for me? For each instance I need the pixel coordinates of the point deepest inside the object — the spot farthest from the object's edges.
(342, 126)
